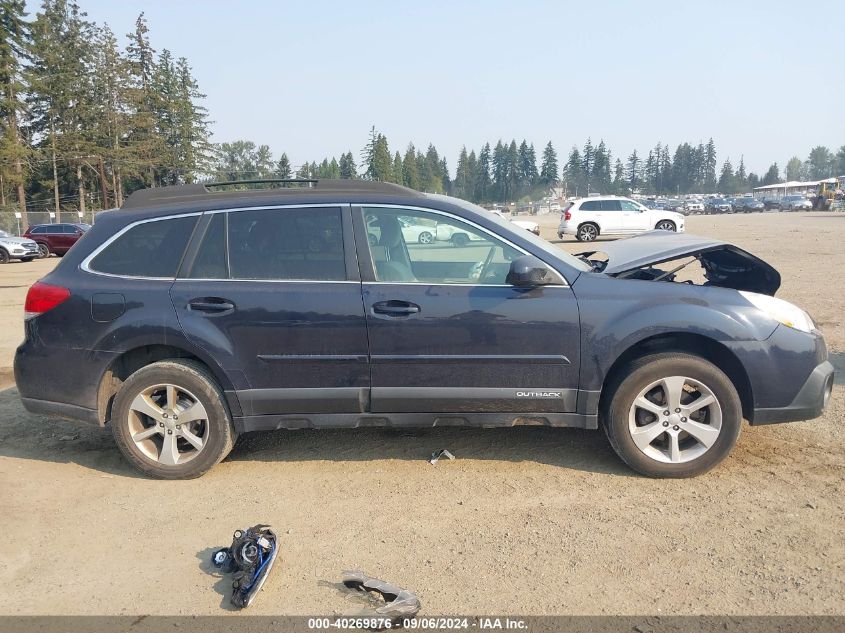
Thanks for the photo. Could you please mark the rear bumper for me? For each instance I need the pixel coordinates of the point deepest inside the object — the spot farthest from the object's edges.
(809, 403)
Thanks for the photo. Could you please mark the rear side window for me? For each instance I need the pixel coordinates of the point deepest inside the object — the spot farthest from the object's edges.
(149, 249)
(281, 244)
(610, 205)
(590, 205)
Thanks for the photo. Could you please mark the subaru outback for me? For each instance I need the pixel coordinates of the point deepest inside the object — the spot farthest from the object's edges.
(196, 313)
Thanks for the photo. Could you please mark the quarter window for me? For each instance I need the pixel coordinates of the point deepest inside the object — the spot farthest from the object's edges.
(149, 249)
(409, 246)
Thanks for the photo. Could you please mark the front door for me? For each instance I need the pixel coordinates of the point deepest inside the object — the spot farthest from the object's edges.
(448, 334)
(636, 218)
(274, 295)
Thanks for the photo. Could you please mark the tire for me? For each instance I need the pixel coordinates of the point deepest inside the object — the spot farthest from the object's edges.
(372, 239)
(27, 259)
(212, 426)
(43, 250)
(691, 456)
(425, 238)
(666, 225)
(587, 232)
(460, 239)
(4, 256)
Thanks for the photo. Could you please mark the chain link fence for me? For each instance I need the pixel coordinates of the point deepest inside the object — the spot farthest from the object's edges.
(10, 223)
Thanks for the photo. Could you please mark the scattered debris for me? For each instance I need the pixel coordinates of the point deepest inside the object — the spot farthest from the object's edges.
(810, 505)
(438, 454)
(399, 603)
(250, 556)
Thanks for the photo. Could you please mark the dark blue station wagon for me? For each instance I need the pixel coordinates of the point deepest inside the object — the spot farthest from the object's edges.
(196, 313)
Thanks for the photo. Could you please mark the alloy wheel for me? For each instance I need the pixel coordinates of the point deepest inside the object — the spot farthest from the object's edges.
(425, 237)
(43, 250)
(675, 419)
(666, 226)
(168, 424)
(588, 233)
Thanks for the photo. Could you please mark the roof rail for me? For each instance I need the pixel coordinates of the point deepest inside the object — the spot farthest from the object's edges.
(206, 192)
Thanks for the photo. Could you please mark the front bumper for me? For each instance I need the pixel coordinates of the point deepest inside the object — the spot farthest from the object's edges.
(809, 403)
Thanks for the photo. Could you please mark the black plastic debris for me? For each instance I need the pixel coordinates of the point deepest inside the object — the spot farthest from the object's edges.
(250, 558)
(438, 454)
(399, 603)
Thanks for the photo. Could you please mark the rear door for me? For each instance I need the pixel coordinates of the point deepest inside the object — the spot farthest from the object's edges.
(274, 295)
(612, 216)
(448, 334)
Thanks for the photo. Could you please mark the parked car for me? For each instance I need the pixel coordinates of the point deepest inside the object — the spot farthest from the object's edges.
(587, 218)
(749, 205)
(795, 203)
(693, 206)
(718, 205)
(411, 232)
(12, 247)
(56, 238)
(528, 225)
(191, 316)
(771, 203)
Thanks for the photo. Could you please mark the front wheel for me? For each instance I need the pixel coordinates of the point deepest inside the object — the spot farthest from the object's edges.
(672, 415)
(425, 238)
(666, 225)
(4, 256)
(170, 420)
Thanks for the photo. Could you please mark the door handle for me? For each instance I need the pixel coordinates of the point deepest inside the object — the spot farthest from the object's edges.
(214, 305)
(396, 308)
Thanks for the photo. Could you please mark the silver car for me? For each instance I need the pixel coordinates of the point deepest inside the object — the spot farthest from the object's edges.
(21, 248)
(795, 203)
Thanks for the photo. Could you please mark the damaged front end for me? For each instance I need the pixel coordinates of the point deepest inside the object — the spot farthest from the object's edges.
(669, 256)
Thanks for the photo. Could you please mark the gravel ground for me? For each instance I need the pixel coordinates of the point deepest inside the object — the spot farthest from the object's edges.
(524, 521)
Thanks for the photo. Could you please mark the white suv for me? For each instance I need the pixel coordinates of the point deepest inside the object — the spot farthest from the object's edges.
(587, 218)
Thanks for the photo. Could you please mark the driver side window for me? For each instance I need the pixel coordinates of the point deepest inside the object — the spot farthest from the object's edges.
(408, 246)
(627, 205)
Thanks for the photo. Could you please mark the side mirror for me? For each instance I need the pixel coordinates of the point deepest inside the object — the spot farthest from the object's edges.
(528, 272)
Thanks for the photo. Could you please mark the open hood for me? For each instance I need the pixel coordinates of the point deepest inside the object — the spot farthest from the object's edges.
(724, 264)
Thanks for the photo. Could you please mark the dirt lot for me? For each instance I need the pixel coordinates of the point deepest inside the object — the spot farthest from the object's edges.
(525, 521)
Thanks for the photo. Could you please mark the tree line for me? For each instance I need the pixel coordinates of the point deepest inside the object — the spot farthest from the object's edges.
(87, 117)
(86, 120)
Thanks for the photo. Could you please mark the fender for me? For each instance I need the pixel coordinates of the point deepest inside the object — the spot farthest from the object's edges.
(622, 312)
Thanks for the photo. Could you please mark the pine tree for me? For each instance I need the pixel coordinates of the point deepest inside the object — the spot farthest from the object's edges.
(410, 173)
(710, 167)
(348, 169)
(14, 48)
(462, 176)
(483, 182)
(601, 168)
(633, 171)
(772, 175)
(283, 170)
(396, 173)
(726, 179)
(795, 169)
(587, 164)
(573, 174)
(549, 167)
(740, 177)
(619, 185)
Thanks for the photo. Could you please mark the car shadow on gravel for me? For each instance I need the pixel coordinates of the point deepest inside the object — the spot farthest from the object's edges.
(27, 436)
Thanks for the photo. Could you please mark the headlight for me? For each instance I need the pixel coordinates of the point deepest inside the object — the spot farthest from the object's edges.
(780, 310)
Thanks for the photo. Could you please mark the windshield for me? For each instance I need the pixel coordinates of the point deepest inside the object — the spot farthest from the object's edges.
(539, 242)
(4, 233)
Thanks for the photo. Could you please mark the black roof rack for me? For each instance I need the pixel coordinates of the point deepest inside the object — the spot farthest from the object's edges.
(215, 191)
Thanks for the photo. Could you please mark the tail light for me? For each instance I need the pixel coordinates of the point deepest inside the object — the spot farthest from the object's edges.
(567, 216)
(43, 297)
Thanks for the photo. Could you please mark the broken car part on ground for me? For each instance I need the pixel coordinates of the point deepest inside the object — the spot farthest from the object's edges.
(399, 603)
(250, 557)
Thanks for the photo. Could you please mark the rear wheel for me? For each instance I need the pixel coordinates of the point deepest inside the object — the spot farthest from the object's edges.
(587, 232)
(170, 420)
(43, 250)
(672, 415)
(460, 239)
(666, 225)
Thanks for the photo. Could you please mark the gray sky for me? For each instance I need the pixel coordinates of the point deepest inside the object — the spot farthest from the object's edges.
(764, 79)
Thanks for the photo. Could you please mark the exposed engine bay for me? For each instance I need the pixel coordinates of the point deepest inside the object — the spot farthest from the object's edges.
(684, 258)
